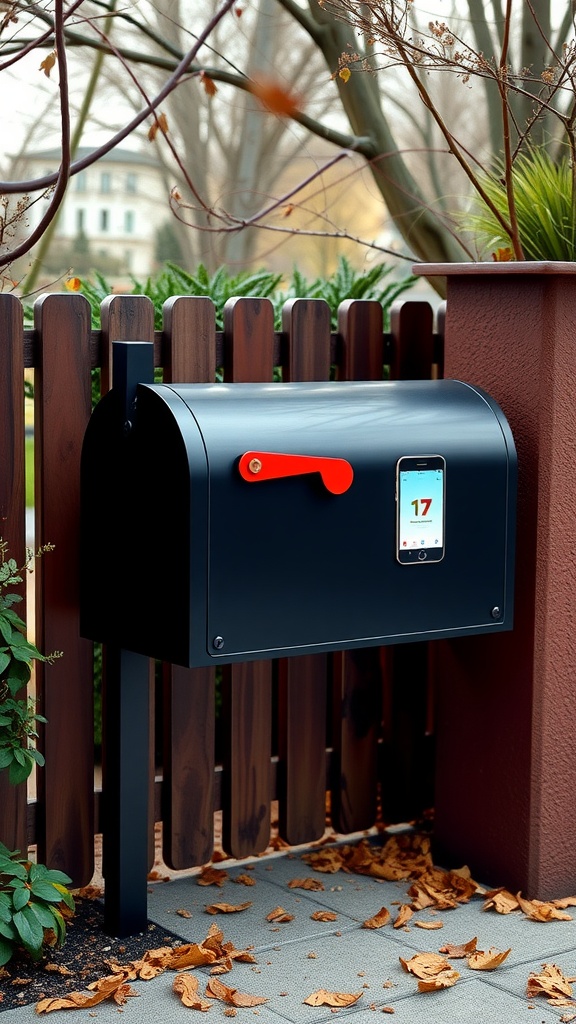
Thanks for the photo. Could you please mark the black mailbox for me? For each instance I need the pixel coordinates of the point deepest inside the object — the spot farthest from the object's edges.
(228, 522)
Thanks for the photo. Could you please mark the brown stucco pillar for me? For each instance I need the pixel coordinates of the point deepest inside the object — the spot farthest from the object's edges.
(506, 721)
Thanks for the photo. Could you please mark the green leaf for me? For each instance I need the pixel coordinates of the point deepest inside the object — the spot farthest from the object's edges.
(19, 674)
(8, 930)
(46, 891)
(19, 772)
(30, 931)
(6, 628)
(58, 924)
(6, 951)
(21, 897)
(4, 660)
(66, 896)
(58, 877)
(14, 870)
(43, 914)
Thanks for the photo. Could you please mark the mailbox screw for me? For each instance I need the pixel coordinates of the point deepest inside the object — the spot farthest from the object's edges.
(496, 613)
(127, 427)
(218, 642)
(254, 465)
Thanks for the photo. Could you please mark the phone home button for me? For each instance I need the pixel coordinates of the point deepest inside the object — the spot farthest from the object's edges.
(422, 555)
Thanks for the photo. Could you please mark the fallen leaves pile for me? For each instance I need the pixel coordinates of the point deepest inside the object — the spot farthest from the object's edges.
(403, 858)
(212, 952)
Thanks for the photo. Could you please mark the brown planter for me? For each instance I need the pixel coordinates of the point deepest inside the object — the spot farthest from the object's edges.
(506, 775)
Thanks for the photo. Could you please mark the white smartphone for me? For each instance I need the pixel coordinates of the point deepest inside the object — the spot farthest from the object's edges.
(420, 512)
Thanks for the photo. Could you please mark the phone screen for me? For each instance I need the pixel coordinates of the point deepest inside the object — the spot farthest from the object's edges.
(420, 490)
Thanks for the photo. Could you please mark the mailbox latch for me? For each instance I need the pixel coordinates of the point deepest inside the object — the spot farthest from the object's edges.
(337, 474)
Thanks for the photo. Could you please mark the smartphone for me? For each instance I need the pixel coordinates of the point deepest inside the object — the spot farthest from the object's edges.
(420, 500)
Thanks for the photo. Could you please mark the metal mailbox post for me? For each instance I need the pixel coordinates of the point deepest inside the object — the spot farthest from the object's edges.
(266, 516)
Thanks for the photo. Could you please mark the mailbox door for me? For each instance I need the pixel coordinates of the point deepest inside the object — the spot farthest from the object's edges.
(145, 528)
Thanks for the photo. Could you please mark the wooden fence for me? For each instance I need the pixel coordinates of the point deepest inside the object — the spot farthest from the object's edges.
(289, 730)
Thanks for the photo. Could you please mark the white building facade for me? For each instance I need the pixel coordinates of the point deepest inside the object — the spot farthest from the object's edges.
(116, 205)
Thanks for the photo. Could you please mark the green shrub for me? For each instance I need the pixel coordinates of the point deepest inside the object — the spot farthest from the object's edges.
(31, 897)
(17, 714)
(344, 283)
(30, 894)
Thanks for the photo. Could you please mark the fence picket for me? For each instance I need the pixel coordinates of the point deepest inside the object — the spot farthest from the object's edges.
(128, 318)
(62, 409)
(189, 698)
(407, 756)
(413, 348)
(247, 687)
(13, 803)
(357, 677)
(302, 681)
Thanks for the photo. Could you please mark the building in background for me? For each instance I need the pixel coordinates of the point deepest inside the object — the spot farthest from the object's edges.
(111, 215)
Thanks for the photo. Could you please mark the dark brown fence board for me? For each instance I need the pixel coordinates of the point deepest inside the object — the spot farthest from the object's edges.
(62, 409)
(247, 688)
(306, 326)
(357, 676)
(413, 348)
(13, 811)
(362, 340)
(129, 318)
(407, 763)
(302, 681)
(189, 698)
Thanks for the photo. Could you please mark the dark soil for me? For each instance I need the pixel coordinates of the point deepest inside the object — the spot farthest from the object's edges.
(85, 954)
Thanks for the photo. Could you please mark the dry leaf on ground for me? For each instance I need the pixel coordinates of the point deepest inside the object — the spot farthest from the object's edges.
(488, 961)
(227, 908)
(244, 880)
(279, 916)
(425, 965)
(334, 999)
(551, 983)
(500, 900)
(404, 856)
(538, 910)
(212, 951)
(379, 920)
(232, 996)
(186, 986)
(459, 952)
(88, 892)
(566, 901)
(446, 979)
(443, 890)
(324, 915)
(312, 884)
(328, 860)
(183, 913)
(429, 925)
(114, 986)
(404, 915)
(212, 876)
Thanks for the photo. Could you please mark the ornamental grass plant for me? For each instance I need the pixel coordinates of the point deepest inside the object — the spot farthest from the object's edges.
(544, 201)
